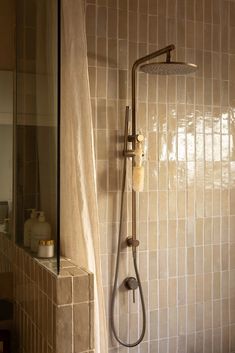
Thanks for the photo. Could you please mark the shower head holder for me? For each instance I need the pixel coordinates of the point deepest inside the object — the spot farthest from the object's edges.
(137, 138)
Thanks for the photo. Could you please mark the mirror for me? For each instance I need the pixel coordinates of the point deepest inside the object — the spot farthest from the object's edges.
(29, 120)
(36, 122)
(6, 146)
(7, 67)
(7, 74)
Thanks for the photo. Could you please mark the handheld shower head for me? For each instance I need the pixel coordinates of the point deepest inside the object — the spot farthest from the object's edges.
(168, 68)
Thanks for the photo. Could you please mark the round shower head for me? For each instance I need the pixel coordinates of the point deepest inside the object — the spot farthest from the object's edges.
(168, 68)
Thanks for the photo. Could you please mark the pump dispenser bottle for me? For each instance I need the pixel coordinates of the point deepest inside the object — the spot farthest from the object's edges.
(41, 230)
(28, 226)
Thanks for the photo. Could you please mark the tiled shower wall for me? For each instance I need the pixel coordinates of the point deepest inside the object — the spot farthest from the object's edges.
(52, 314)
(187, 210)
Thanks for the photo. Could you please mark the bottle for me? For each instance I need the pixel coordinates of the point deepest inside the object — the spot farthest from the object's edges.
(28, 227)
(41, 230)
(46, 248)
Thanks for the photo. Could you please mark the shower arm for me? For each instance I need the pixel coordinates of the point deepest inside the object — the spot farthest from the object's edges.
(132, 241)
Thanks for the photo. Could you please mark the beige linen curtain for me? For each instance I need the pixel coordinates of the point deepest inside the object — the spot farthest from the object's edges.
(79, 212)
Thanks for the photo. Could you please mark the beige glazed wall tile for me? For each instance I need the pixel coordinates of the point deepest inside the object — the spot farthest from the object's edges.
(188, 194)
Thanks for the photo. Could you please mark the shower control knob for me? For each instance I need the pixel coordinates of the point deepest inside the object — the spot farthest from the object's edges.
(131, 283)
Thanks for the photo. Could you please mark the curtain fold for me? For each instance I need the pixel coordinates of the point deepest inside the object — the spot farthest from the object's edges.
(79, 209)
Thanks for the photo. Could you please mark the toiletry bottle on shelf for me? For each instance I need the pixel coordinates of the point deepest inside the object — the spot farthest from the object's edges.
(28, 227)
(45, 248)
(41, 230)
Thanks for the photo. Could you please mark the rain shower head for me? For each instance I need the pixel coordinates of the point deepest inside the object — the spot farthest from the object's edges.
(168, 68)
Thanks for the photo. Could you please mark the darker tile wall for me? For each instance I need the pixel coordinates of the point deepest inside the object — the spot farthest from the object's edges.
(52, 314)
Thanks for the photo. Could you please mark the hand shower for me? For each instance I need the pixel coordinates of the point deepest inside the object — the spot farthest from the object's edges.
(136, 153)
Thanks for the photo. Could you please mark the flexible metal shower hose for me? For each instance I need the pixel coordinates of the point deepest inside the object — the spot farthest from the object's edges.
(118, 263)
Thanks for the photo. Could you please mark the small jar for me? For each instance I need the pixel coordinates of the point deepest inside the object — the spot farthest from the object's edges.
(46, 248)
